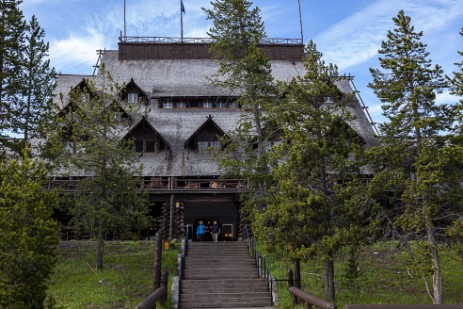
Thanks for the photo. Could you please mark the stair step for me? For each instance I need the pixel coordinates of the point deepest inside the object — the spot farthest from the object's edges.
(222, 275)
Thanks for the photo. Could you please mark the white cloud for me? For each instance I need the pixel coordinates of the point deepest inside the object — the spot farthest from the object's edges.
(357, 38)
(447, 98)
(72, 53)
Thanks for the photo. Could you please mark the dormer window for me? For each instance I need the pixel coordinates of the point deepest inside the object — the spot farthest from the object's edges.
(167, 104)
(221, 104)
(207, 104)
(181, 104)
(132, 93)
(85, 97)
(206, 136)
(132, 97)
(146, 139)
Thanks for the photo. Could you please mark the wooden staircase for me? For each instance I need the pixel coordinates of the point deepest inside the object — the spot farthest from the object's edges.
(222, 275)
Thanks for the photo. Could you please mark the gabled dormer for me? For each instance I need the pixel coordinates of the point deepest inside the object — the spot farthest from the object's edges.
(132, 93)
(85, 90)
(207, 136)
(118, 111)
(146, 139)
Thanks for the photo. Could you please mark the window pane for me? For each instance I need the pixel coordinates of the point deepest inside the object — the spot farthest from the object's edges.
(202, 146)
(168, 104)
(138, 146)
(181, 104)
(215, 144)
(132, 97)
(207, 104)
(150, 146)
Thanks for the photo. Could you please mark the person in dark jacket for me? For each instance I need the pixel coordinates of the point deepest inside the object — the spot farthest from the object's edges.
(215, 230)
(200, 231)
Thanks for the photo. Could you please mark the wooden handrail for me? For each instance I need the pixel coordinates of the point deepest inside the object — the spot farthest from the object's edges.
(159, 295)
(398, 306)
(152, 299)
(310, 300)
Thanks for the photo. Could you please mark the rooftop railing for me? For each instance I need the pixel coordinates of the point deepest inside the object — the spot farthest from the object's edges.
(176, 40)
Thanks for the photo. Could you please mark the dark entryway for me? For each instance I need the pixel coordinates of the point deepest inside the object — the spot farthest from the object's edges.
(224, 211)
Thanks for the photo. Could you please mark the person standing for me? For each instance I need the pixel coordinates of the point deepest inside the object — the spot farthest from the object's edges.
(215, 231)
(200, 231)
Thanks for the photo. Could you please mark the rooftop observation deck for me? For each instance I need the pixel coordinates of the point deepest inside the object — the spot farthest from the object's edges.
(148, 48)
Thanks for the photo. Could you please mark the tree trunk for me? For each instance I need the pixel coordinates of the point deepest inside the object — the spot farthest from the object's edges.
(438, 294)
(329, 281)
(99, 250)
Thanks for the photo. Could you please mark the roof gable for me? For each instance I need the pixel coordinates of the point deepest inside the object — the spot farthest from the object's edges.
(143, 126)
(132, 87)
(208, 130)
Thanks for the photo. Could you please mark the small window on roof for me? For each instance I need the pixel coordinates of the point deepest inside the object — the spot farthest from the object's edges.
(132, 97)
(202, 146)
(221, 104)
(207, 104)
(167, 104)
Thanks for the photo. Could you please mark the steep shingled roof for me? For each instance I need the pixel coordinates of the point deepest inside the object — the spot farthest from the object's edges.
(164, 78)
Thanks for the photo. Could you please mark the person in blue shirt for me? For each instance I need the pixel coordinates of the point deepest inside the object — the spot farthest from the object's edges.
(200, 230)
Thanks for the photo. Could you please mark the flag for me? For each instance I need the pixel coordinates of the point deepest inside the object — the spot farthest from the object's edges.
(181, 5)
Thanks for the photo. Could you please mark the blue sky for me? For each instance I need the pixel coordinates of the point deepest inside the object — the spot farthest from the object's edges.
(348, 33)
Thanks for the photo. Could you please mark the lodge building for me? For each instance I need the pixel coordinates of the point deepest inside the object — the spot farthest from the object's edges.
(184, 115)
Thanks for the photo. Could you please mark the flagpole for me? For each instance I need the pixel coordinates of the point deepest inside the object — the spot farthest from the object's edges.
(300, 21)
(125, 28)
(181, 21)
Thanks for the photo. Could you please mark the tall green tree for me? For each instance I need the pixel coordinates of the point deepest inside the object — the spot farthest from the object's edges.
(12, 38)
(108, 198)
(456, 147)
(244, 68)
(28, 234)
(412, 160)
(320, 202)
(34, 100)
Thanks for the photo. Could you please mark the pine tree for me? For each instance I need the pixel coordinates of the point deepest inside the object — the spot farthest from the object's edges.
(455, 147)
(413, 161)
(244, 68)
(320, 202)
(28, 234)
(12, 36)
(33, 103)
(108, 197)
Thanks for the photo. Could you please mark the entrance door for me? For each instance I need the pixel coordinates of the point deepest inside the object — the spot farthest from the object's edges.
(225, 211)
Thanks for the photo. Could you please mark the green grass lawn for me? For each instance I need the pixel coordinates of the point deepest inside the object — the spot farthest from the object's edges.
(127, 277)
(384, 278)
(125, 280)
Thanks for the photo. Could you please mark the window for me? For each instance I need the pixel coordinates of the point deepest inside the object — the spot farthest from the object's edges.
(202, 146)
(215, 144)
(181, 104)
(132, 97)
(145, 146)
(207, 104)
(150, 146)
(139, 146)
(167, 104)
(85, 97)
(221, 104)
(329, 100)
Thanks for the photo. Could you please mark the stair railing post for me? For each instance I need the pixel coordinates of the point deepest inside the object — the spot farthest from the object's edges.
(297, 273)
(157, 261)
(290, 278)
(164, 280)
